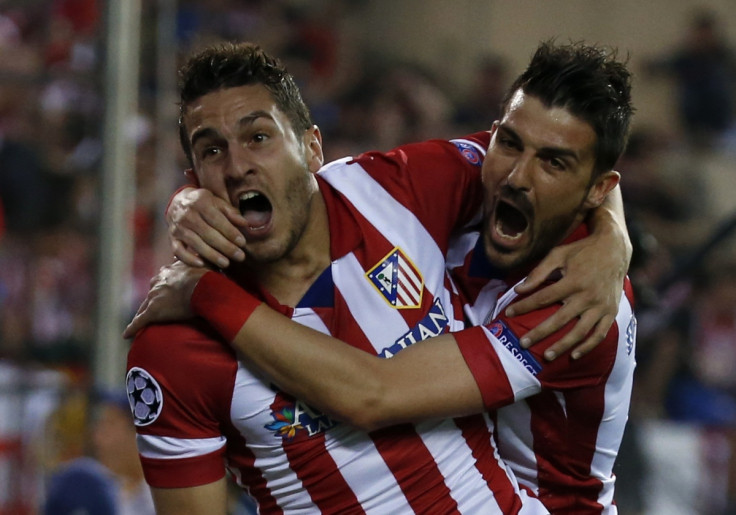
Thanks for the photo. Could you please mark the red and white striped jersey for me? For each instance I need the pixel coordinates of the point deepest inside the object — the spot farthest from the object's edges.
(196, 405)
(559, 424)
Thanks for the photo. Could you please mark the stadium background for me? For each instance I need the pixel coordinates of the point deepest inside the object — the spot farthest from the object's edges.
(89, 156)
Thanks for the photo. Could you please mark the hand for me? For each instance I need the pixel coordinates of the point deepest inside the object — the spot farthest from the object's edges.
(169, 297)
(593, 270)
(203, 226)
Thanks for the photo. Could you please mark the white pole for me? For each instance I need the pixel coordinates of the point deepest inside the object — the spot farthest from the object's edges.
(167, 175)
(118, 187)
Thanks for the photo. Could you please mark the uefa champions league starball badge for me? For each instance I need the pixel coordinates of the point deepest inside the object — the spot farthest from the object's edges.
(144, 396)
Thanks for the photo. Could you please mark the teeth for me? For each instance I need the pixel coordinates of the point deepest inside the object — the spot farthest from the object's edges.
(499, 229)
(248, 195)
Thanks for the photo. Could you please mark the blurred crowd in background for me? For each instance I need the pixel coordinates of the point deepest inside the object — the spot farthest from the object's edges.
(51, 111)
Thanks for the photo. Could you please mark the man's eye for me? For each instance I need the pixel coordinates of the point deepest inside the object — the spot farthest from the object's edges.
(557, 164)
(508, 143)
(209, 152)
(259, 137)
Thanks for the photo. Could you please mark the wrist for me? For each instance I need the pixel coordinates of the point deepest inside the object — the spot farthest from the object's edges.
(224, 304)
(173, 195)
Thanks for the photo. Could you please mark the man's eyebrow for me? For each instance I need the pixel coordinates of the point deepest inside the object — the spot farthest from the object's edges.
(252, 117)
(206, 132)
(209, 132)
(559, 152)
(545, 151)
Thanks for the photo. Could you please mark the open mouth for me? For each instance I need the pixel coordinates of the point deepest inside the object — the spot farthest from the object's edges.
(510, 221)
(256, 209)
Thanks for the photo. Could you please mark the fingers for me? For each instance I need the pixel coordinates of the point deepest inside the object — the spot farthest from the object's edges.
(598, 335)
(138, 322)
(550, 326)
(590, 329)
(193, 248)
(133, 327)
(184, 255)
(552, 294)
(206, 228)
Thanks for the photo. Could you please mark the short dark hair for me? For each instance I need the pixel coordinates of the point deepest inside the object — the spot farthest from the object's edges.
(589, 82)
(229, 65)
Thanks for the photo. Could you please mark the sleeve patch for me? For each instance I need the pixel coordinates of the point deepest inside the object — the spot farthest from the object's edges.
(144, 395)
(511, 343)
(469, 152)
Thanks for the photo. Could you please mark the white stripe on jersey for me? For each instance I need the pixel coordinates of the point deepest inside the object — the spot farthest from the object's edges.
(523, 383)
(167, 447)
(250, 394)
(617, 399)
(516, 447)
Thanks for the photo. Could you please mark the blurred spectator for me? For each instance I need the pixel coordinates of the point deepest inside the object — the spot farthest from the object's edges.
(25, 191)
(664, 192)
(704, 68)
(109, 480)
(481, 106)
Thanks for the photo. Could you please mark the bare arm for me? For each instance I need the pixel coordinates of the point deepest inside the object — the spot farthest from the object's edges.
(360, 388)
(593, 270)
(208, 499)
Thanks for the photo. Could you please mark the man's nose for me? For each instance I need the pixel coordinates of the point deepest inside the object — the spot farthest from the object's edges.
(520, 173)
(241, 162)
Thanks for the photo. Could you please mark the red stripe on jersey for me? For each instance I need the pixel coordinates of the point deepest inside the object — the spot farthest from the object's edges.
(415, 469)
(485, 366)
(565, 483)
(480, 440)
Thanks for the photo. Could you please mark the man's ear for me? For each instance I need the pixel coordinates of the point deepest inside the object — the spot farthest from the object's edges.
(603, 184)
(313, 144)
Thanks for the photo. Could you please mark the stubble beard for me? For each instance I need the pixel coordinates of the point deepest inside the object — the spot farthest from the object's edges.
(299, 196)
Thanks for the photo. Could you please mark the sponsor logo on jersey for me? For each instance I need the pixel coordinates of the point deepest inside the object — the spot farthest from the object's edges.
(631, 334)
(297, 419)
(509, 340)
(433, 324)
(397, 280)
(469, 152)
(144, 395)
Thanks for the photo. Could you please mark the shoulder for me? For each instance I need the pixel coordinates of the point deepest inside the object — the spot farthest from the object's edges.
(173, 354)
(178, 342)
(177, 372)
(564, 371)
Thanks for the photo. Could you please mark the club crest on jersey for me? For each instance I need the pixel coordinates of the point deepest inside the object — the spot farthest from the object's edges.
(398, 280)
(508, 339)
(144, 396)
(469, 152)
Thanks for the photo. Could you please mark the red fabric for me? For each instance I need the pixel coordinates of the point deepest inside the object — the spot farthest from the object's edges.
(223, 304)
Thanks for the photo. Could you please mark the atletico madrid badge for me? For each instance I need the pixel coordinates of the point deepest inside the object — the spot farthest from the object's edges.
(398, 280)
